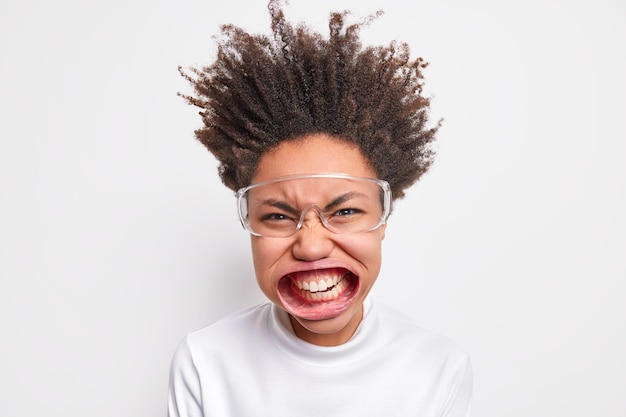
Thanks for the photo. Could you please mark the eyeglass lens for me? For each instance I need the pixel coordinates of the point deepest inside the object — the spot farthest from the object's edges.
(279, 209)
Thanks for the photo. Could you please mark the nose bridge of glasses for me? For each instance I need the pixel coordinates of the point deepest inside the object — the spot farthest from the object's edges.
(317, 213)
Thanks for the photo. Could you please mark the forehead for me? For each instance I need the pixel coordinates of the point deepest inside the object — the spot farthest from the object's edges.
(324, 190)
(313, 154)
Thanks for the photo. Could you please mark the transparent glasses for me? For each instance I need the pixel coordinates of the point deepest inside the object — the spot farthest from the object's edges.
(343, 203)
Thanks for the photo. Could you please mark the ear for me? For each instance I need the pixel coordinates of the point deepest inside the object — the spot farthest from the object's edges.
(383, 228)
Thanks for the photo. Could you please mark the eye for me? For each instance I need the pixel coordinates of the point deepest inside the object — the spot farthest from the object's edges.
(345, 212)
(275, 217)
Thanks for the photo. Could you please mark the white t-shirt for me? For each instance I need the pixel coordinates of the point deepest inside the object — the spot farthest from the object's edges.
(251, 364)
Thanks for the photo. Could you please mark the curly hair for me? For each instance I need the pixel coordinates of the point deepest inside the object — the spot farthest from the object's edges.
(263, 90)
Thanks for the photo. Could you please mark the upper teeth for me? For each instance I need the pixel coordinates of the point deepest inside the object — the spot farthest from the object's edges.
(321, 285)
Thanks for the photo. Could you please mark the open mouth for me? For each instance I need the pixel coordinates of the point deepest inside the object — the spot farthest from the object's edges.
(318, 294)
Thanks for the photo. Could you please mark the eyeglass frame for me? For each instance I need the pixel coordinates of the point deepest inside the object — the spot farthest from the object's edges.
(384, 185)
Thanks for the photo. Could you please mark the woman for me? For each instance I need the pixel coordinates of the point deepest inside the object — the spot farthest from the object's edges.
(317, 136)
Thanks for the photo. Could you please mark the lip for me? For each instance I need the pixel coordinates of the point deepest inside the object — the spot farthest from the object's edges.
(317, 308)
(316, 265)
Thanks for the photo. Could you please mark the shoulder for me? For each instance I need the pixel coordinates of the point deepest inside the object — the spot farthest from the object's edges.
(437, 355)
(426, 360)
(226, 334)
(237, 324)
(426, 342)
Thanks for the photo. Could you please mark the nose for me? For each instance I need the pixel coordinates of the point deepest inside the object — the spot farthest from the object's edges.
(316, 217)
(313, 240)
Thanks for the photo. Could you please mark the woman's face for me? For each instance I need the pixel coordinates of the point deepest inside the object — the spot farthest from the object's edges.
(290, 269)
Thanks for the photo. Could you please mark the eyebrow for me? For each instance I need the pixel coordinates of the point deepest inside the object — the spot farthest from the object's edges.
(342, 199)
(281, 205)
(334, 203)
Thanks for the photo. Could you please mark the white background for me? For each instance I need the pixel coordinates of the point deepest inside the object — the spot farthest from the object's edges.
(117, 238)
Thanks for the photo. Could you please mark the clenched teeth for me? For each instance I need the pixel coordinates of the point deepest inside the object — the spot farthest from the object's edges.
(321, 285)
(318, 286)
(327, 295)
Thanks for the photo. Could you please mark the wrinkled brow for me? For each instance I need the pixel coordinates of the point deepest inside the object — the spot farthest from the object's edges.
(280, 205)
(334, 203)
(342, 199)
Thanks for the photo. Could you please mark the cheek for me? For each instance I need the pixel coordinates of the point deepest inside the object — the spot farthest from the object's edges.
(368, 251)
(258, 254)
(265, 253)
